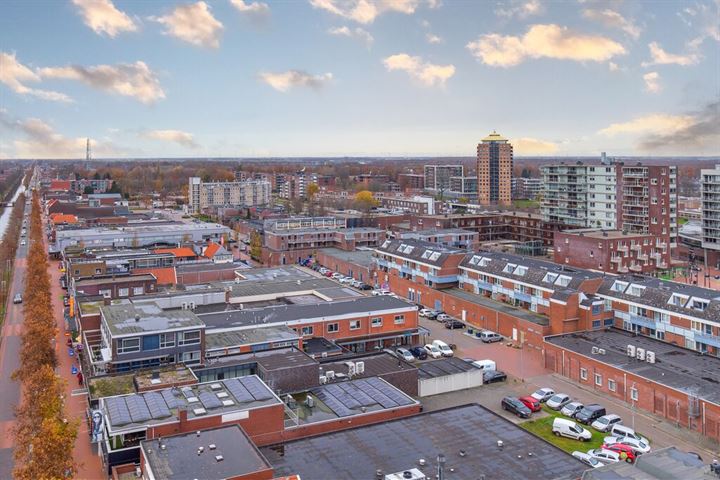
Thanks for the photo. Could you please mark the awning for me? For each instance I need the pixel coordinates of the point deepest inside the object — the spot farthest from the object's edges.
(387, 337)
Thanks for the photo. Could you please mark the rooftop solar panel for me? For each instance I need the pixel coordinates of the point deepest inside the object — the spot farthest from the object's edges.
(138, 408)
(376, 395)
(156, 404)
(170, 399)
(332, 403)
(118, 411)
(256, 388)
(389, 391)
(210, 400)
(357, 394)
(238, 390)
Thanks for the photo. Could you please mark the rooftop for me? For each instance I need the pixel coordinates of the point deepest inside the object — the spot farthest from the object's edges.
(143, 277)
(177, 458)
(443, 367)
(660, 464)
(676, 367)
(358, 257)
(609, 234)
(244, 291)
(376, 364)
(398, 445)
(500, 306)
(132, 318)
(419, 251)
(271, 334)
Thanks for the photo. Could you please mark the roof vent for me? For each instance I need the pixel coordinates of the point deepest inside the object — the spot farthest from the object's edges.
(137, 317)
(421, 462)
(219, 458)
(200, 450)
(500, 444)
(407, 474)
(212, 446)
(197, 434)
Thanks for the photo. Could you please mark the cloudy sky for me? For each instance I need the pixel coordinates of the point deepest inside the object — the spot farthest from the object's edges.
(357, 77)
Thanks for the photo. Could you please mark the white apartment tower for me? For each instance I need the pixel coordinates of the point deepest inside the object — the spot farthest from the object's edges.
(250, 193)
(710, 179)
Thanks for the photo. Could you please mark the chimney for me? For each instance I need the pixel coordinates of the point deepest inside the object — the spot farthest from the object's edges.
(182, 416)
(137, 317)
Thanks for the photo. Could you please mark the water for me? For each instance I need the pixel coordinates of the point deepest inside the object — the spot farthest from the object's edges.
(5, 218)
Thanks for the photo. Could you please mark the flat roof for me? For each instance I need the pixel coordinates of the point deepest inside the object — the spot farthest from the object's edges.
(221, 340)
(137, 411)
(443, 367)
(282, 286)
(178, 457)
(609, 234)
(660, 464)
(129, 318)
(206, 266)
(438, 231)
(114, 279)
(140, 228)
(376, 364)
(358, 257)
(676, 367)
(292, 313)
(499, 306)
(398, 445)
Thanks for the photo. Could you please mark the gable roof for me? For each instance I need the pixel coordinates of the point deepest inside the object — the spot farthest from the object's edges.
(179, 252)
(164, 275)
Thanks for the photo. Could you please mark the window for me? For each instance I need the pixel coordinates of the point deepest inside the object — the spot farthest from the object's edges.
(598, 380)
(596, 309)
(307, 330)
(583, 374)
(167, 340)
(138, 290)
(190, 357)
(128, 345)
(333, 327)
(611, 385)
(634, 394)
(399, 319)
(105, 293)
(354, 324)
(189, 338)
(123, 292)
(376, 322)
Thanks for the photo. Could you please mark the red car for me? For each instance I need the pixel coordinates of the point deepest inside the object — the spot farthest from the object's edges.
(531, 403)
(328, 273)
(625, 451)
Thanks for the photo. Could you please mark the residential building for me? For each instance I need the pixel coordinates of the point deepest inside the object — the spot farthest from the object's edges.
(203, 195)
(437, 177)
(114, 287)
(357, 264)
(448, 237)
(710, 179)
(494, 170)
(467, 186)
(526, 188)
(413, 181)
(418, 205)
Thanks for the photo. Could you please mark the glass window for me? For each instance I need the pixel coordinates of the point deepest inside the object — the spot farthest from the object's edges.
(598, 380)
(611, 385)
(138, 290)
(399, 319)
(123, 292)
(307, 330)
(333, 327)
(189, 338)
(128, 345)
(634, 394)
(167, 340)
(377, 322)
(354, 324)
(583, 373)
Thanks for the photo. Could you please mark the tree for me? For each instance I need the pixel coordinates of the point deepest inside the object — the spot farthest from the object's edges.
(365, 200)
(312, 190)
(256, 246)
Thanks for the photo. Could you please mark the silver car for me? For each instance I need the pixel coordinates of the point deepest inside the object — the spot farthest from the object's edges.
(405, 354)
(570, 409)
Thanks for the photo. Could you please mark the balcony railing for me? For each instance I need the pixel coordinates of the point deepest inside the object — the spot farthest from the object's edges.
(705, 338)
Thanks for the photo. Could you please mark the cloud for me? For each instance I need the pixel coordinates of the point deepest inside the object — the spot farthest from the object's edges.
(183, 138)
(251, 8)
(699, 134)
(366, 11)
(533, 146)
(284, 81)
(520, 9)
(702, 18)
(652, 82)
(426, 73)
(661, 57)
(433, 39)
(193, 23)
(613, 66)
(358, 33)
(41, 141)
(658, 124)
(612, 19)
(103, 18)
(543, 41)
(14, 74)
(128, 79)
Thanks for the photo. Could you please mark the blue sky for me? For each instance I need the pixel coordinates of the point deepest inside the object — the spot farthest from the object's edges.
(357, 77)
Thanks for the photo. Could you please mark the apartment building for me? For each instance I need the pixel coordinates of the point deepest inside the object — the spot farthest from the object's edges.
(710, 179)
(612, 251)
(413, 181)
(424, 262)
(526, 188)
(418, 205)
(466, 186)
(450, 237)
(203, 195)
(437, 177)
(494, 170)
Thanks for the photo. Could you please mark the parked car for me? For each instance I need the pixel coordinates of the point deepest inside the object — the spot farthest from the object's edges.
(454, 324)
(603, 455)
(626, 453)
(419, 352)
(493, 376)
(590, 413)
(444, 348)
(563, 427)
(513, 405)
(424, 312)
(17, 298)
(571, 409)
(443, 317)
(381, 292)
(587, 459)
(637, 445)
(23, 242)
(365, 286)
(489, 337)
(432, 351)
(606, 422)
(405, 354)
(336, 276)
(433, 314)
(346, 280)
(619, 430)
(532, 403)
(328, 273)
(484, 364)
(356, 283)
(543, 394)
(557, 401)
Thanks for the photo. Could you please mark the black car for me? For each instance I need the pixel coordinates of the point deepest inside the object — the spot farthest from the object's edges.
(365, 286)
(454, 324)
(492, 376)
(590, 413)
(433, 315)
(513, 405)
(419, 353)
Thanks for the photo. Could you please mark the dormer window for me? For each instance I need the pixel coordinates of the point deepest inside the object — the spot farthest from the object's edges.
(635, 290)
(678, 300)
(619, 286)
(520, 270)
(563, 280)
(401, 248)
(426, 254)
(698, 304)
(386, 243)
(475, 259)
(509, 268)
(408, 249)
(550, 277)
(434, 256)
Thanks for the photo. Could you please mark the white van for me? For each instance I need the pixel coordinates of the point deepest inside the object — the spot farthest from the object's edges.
(489, 337)
(570, 429)
(623, 431)
(485, 365)
(444, 348)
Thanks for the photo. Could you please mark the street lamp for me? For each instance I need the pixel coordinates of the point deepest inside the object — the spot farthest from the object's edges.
(632, 408)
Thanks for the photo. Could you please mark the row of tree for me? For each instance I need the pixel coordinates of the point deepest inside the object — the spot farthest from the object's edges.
(8, 247)
(44, 436)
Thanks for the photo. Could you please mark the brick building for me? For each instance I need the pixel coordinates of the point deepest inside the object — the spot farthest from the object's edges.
(494, 170)
(358, 264)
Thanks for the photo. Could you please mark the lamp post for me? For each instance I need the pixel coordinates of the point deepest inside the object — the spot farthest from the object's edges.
(632, 399)
(441, 466)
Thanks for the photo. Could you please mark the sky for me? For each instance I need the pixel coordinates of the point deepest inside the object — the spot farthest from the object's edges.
(294, 78)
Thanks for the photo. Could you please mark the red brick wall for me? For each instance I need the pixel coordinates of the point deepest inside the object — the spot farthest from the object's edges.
(359, 272)
(320, 329)
(190, 278)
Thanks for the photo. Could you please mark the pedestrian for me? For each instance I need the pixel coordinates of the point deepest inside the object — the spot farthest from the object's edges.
(80, 378)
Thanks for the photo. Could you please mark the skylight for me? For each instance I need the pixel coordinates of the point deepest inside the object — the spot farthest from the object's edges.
(434, 256)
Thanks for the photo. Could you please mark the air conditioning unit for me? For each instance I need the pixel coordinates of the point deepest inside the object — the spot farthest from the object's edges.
(330, 374)
(323, 379)
(184, 305)
(640, 353)
(650, 356)
(192, 305)
(595, 350)
(359, 368)
(601, 351)
(410, 474)
(631, 350)
(351, 369)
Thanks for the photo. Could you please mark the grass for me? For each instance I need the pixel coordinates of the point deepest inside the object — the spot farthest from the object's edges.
(526, 204)
(542, 427)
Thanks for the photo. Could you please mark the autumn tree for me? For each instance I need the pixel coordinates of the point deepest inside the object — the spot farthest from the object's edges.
(256, 246)
(365, 200)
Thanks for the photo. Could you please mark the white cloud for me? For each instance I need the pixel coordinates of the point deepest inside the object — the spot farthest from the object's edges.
(104, 18)
(612, 19)
(178, 136)
(134, 80)
(658, 123)
(358, 33)
(661, 57)
(702, 18)
(533, 146)
(251, 8)
(14, 74)
(193, 23)
(426, 73)
(366, 11)
(613, 66)
(652, 82)
(520, 9)
(284, 81)
(433, 39)
(543, 41)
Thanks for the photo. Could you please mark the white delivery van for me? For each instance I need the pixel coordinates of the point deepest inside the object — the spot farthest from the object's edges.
(570, 429)
(443, 347)
(484, 364)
